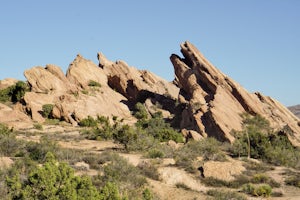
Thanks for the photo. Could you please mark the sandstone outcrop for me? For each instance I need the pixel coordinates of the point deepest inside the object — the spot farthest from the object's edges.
(137, 85)
(5, 83)
(72, 95)
(214, 102)
(14, 117)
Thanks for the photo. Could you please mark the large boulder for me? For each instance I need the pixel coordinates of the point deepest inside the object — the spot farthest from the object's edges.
(13, 117)
(214, 102)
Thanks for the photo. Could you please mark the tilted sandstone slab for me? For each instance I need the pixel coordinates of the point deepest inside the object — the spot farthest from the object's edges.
(215, 102)
(133, 83)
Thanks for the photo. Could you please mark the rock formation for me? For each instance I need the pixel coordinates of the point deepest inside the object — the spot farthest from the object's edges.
(13, 117)
(214, 102)
(74, 98)
(134, 84)
(201, 100)
(71, 95)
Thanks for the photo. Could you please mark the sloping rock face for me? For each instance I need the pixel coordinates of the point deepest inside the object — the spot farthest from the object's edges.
(214, 102)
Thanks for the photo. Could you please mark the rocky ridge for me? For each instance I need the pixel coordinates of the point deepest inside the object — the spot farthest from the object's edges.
(204, 101)
(214, 102)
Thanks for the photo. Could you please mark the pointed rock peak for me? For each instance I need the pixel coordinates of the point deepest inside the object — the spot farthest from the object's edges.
(215, 102)
(103, 61)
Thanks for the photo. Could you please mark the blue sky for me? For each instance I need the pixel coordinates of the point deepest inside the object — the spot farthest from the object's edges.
(255, 42)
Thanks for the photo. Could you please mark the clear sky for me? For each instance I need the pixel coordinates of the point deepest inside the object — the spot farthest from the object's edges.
(256, 42)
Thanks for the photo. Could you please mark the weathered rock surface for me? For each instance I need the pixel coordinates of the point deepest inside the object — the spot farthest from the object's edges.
(14, 118)
(226, 171)
(71, 95)
(137, 85)
(214, 102)
(81, 71)
(5, 83)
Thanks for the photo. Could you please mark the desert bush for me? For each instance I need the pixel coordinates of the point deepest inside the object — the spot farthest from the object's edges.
(257, 140)
(147, 195)
(124, 135)
(9, 145)
(159, 129)
(88, 122)
(52, 181)
(38, 151)
(222, 194)
(262, 178)
(94, 84)
(149, 169)
(140, 111)
(155, 153)
(47, 110)
(14, 93)
(263, 190)
(117, 170)
(38, 126)
(208, 148)
(293, 178)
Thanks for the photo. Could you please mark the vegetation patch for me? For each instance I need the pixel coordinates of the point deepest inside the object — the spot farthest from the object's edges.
(14, 93)
(263, 190)
(222, 194)
(257, 140)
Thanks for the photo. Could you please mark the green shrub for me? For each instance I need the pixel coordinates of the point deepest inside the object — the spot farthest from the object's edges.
(263, 190)
(155, 153)
(159, 129)
(38, 126)
(52, 181)
(9, 145)
(222, 194)
(262, 178)
(124, 135)
(14, 93)
(140, 111)
(38, 151)
(47, 110)
(94, 84)
(258, 139)
(88, 122)
(147, 195)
